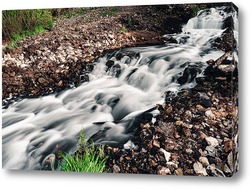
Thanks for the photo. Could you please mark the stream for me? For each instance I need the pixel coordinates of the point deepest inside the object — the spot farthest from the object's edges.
(115, 96)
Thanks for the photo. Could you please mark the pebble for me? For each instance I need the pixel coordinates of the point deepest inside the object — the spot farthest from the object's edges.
(167, 155)
(204, 161)
(199, 169)
(211, 141)
(156, 143)
(230, 161)
(164, 171)
(210, 151)
(178, 172)
(116, 169)
(210, 114)
(49, 162)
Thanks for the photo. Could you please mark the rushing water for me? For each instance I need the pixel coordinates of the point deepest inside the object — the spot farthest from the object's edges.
(111, 101)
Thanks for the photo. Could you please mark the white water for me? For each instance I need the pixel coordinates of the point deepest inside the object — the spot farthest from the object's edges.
(107, 105)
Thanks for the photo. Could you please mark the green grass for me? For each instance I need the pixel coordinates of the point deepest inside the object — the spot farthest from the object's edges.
(69, 14)
(18, 24)
(109, 11)
(196, 9)
(89, 158)
(16, 38)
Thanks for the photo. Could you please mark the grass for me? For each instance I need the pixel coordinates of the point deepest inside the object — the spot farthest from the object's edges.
(89, 158)
(16, 38)
(110, 11)
(18, 24)
(196, 9)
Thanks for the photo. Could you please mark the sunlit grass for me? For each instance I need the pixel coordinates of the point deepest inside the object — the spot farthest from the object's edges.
(88, 158)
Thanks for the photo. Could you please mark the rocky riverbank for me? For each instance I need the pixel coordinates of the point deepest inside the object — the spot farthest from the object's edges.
(56, 60)
(195, 133)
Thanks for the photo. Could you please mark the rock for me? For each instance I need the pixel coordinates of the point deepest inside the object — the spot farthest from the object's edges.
(230, 161)
(164, 171)
(178, 172)
(167, 155)
(42, 80)
(210, 61)
(211, 141)
(228, 145)
(202, 135)
(204, 161)
(210, 151)
(49, 162)
(189, 151)
(227, 169)
(156, 143)
(110, 63)
(12, 74)
(226, 68)
(189, 74)
(84, 78)
(60, 83)
(199, 169)
(210, 114)
(129, 145)
(116, 169)
(178, 123)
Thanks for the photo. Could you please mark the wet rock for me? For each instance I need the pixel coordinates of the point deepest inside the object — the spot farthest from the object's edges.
(211, 141)
(226, 68)
(84, 78)
(49, 162)
(189, 74)
(110, 63)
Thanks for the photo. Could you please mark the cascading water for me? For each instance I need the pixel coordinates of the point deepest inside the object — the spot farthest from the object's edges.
(115, 96)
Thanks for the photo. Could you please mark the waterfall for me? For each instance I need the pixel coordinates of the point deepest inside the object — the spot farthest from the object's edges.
(109, 104)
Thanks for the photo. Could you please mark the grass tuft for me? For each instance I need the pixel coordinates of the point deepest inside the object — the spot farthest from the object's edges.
(88, 158)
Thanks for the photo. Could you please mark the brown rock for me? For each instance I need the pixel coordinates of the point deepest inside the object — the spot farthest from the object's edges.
(116, 169)
(164, 171)
(60, 83)
(12, 74)
(178, 172)
(156, 143)
(228, 143)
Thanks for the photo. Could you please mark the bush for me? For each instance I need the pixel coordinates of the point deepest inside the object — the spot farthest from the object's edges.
(17, 22)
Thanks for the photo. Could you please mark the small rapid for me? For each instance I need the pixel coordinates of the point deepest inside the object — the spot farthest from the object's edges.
(107, 107)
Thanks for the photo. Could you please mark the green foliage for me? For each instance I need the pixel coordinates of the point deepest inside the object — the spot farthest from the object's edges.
(81, 11)
(109, 11)
(123, 29)
(69, 14)
(89, 158)
(17, 24)
(196, 9)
